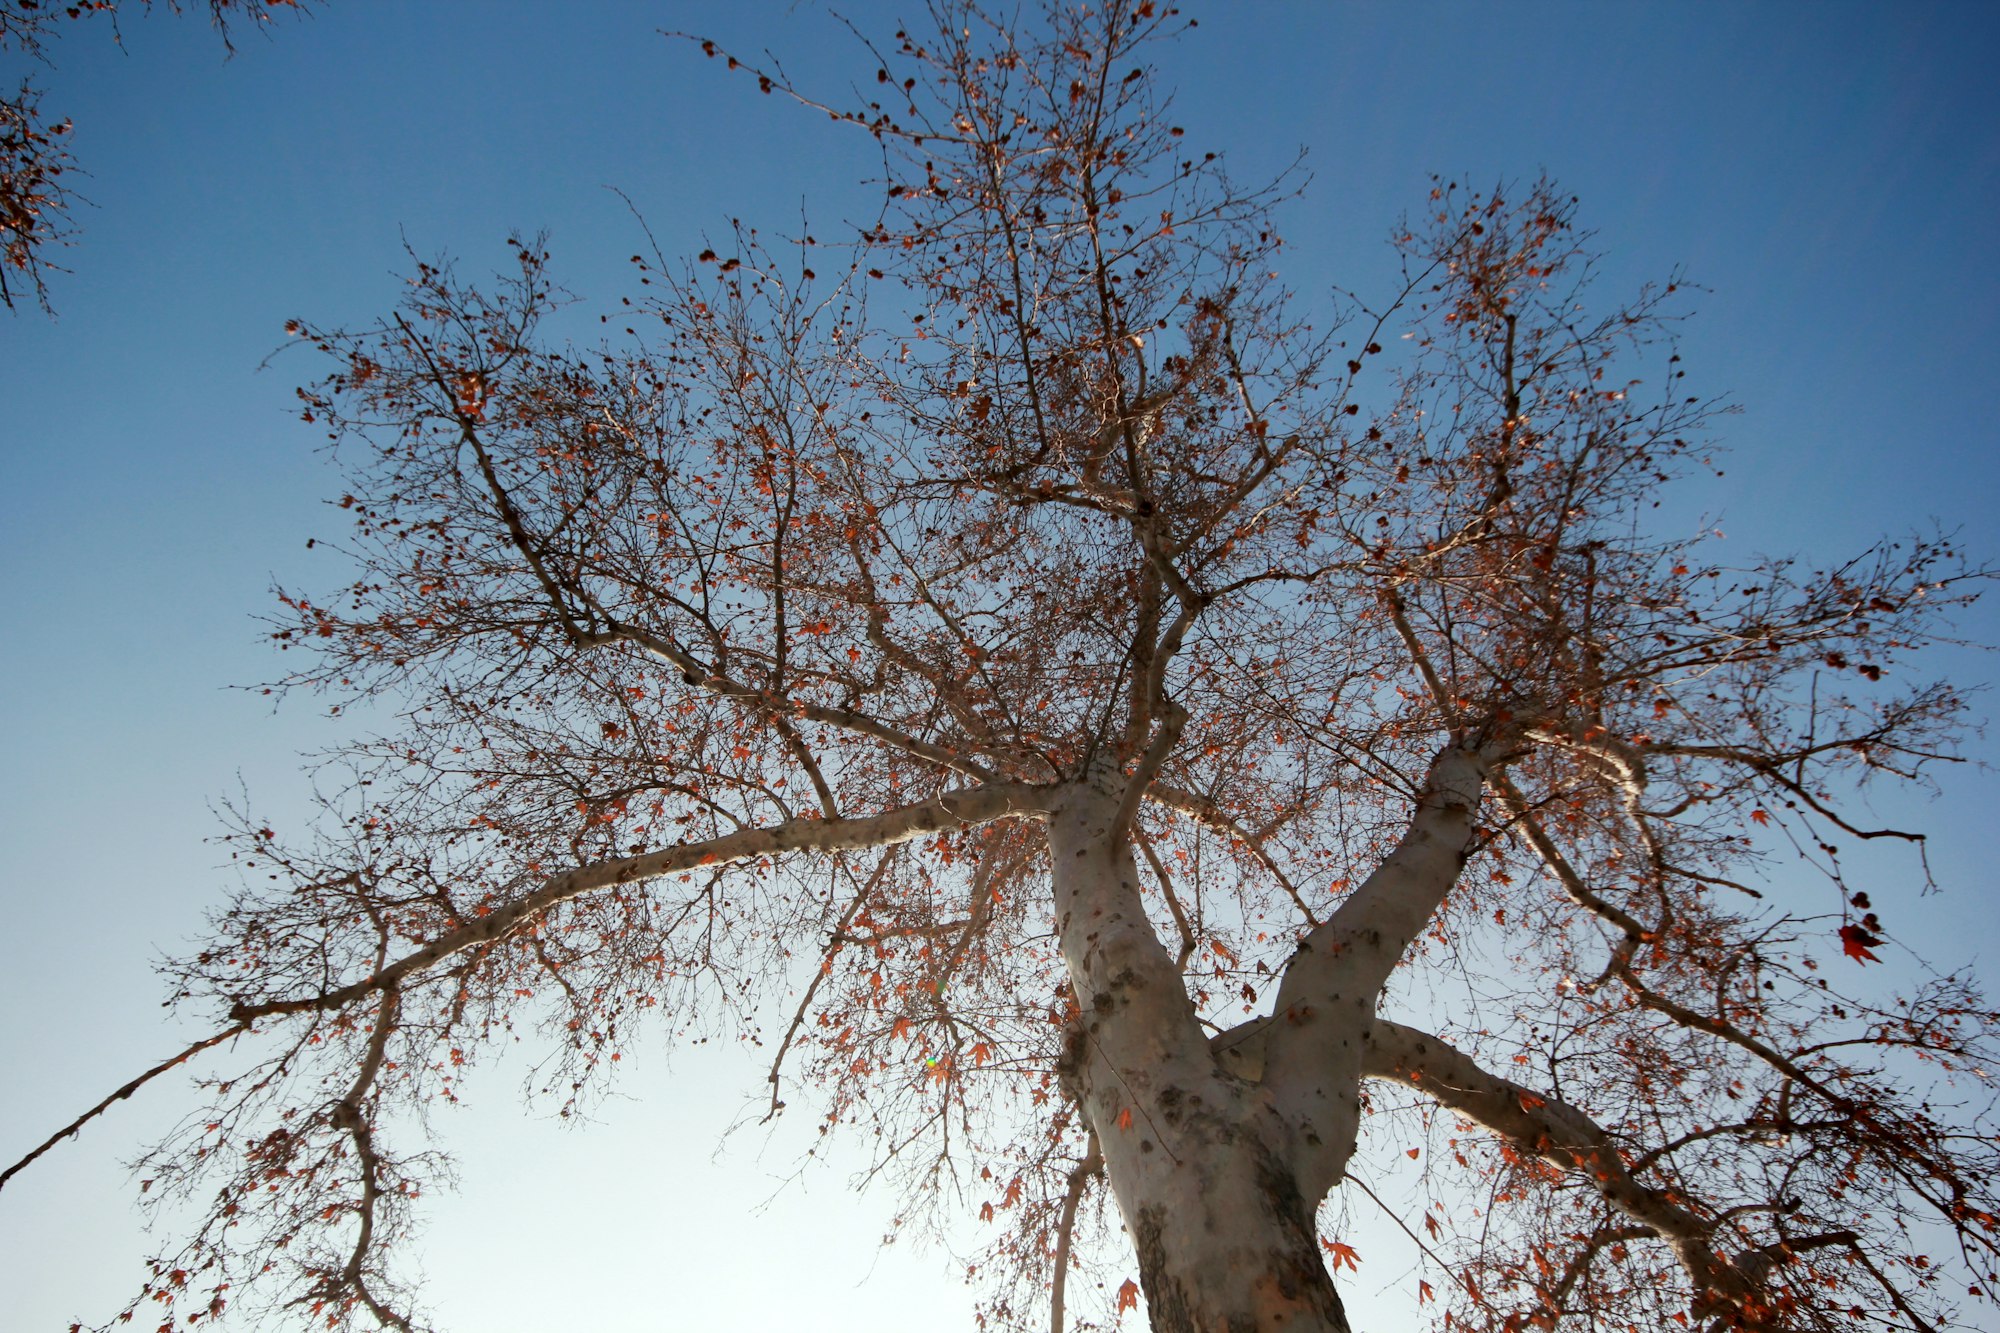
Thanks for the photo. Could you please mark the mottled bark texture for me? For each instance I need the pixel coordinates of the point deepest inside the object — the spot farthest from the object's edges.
(1196, 1157)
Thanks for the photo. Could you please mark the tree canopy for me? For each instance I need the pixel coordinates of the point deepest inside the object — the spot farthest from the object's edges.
(1155, 738)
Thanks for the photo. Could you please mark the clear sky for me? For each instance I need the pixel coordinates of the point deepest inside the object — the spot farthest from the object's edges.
(1831, 173)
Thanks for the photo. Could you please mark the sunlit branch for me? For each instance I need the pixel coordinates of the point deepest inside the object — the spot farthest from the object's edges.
(955, 809)
(1364, 939)
(1172, 718)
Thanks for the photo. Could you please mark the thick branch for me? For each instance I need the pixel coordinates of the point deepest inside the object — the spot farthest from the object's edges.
(1356, 948)
(1559, 1134)
(1326, 1001)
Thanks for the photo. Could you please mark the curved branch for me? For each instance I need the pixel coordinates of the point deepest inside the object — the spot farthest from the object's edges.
(349, 1115)
(1559, 1134)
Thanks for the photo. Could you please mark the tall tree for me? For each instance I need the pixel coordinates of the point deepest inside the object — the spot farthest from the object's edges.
(1138, 772)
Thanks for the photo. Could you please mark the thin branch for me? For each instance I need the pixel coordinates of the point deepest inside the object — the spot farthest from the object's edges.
(71, 1129)
(1079, 1179)
(819, 974)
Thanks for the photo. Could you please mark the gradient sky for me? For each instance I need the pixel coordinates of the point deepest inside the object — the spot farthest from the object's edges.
(1830, 173)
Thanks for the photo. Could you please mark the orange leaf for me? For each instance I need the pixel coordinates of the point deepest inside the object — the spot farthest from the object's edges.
(1125, 1118)
(1128, 1296)
(1342, 1253)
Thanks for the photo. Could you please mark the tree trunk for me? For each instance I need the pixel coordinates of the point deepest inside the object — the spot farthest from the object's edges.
(1197, 1158)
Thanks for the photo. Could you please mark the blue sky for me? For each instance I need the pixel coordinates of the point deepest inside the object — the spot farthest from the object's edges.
(1831, 174)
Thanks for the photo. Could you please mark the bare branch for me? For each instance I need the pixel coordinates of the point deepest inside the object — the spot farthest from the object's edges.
(73, 1127)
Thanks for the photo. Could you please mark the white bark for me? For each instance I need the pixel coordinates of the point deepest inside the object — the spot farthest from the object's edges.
(1196, 1157)
(1314, 1042)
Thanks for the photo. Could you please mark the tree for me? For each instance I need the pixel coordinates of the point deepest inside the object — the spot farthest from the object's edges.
(34, 199)
(1120, 741)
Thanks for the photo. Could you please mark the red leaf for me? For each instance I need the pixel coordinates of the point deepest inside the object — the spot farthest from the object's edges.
(1760, 816)
(1856, 943)
(1128, 1296)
